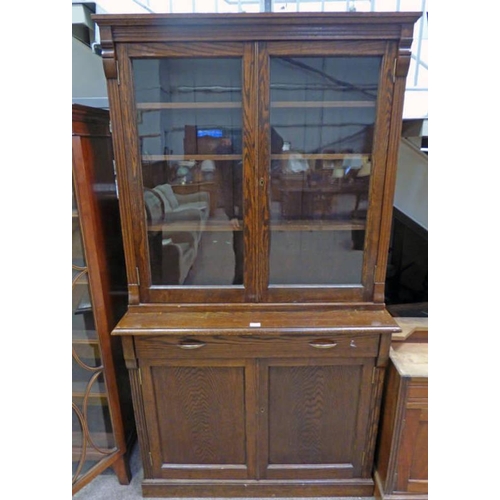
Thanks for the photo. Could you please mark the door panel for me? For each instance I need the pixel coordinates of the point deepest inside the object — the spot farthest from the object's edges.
(315, 417)
(413, 469)
(196, 419)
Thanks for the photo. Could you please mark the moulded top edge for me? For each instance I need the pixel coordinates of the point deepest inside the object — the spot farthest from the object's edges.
(198, 332)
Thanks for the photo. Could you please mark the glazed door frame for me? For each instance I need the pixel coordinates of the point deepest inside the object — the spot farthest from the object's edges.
(130, 170)
(256, 167)
(387, 51)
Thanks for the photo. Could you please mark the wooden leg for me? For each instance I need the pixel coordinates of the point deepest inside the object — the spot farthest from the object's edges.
(122, 470)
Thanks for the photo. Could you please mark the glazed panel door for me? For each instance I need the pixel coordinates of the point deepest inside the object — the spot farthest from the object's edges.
(189, 175)
(314, 417)
(256, 171)
(327, 113)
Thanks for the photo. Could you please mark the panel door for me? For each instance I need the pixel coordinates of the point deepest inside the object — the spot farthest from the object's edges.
(314, 417)
(190, 108)
(412, 474)
(197, 420)
(327, 110)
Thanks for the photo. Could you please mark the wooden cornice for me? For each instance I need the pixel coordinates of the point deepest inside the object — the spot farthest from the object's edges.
(255, 27)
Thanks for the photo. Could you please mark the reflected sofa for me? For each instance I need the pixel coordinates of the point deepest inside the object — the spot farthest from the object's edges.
(175, 225)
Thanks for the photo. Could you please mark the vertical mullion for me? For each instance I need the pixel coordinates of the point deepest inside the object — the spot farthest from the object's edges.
(251, 223)
(256, 161)
(264, 162)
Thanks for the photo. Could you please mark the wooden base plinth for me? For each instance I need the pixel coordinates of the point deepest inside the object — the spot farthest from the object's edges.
(380, 494)
(171, 488)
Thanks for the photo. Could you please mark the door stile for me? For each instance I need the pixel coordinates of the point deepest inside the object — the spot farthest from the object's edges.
(379, 162)
(397, 89)
(252, 222)
(360, 446)
(152, 430)
(262, 418)
(264, 163)
(133, 172)
(119, 97)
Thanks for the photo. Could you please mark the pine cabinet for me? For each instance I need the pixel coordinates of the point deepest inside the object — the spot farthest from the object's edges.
(256, 159)
(401, 462)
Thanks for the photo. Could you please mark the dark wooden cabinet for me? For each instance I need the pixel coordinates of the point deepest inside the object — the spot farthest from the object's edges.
(256, 335)
(103, 426)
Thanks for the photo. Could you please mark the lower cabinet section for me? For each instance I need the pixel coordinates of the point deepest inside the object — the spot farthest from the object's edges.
(248, 416)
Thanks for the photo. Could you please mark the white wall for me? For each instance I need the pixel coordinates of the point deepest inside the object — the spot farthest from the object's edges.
(411, 195)
(88, 80)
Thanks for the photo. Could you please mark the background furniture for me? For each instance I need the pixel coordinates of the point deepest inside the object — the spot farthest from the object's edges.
(271, 386)
(401, 465)
(103, 426)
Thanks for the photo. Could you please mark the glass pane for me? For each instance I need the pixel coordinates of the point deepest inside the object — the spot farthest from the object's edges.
(189, 121)
(322, 119)
(82, 316)
(92, 436)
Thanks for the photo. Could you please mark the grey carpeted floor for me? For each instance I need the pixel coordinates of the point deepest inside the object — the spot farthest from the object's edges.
(106, 486)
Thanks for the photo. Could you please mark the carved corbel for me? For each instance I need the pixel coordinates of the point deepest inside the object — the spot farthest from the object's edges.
(108, 53)
(403, 58)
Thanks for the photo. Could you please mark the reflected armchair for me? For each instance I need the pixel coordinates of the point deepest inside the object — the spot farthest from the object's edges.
(172, 252)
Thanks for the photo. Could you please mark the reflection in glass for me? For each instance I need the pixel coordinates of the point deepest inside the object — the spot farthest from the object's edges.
(323, 112)
(82, 316)
(92, 436)
(189, 122)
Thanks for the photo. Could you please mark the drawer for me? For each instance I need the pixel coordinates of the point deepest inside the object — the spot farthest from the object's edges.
(255, 346)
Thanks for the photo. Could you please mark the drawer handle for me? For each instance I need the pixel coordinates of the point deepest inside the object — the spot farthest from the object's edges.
(323, 345)
(191, 345)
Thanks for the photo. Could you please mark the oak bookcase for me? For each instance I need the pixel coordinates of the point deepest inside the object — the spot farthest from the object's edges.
(256, 335)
